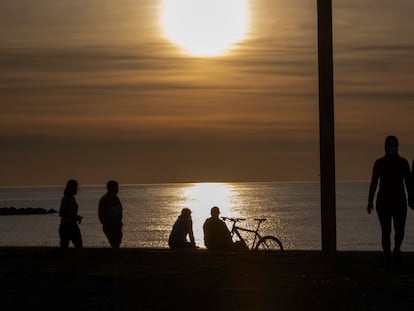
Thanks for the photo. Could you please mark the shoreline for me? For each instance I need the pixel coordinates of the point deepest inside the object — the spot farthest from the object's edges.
(49, 278)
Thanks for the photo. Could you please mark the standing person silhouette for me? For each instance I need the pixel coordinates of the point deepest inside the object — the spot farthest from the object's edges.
(391, 171)
(110, 214)
(182, 227)
(69, 218)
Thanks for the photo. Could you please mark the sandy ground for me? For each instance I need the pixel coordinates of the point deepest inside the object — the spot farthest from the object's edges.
(161, 279)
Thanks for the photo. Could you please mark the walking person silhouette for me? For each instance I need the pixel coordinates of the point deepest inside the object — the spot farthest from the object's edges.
(110, 212)
(393, 174)
(69, 218)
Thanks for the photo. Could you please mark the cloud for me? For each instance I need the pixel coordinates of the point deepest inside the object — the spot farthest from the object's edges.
(93, 85)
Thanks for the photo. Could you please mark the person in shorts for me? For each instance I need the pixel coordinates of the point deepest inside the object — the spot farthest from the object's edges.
(392, 173)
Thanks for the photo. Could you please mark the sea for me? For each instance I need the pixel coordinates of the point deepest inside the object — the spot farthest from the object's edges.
(292, 210)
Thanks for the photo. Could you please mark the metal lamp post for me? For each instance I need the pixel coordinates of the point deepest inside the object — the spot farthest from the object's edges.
(326, 127)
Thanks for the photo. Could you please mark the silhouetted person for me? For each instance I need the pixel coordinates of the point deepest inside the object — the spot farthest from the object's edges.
(391, 171)
(69, 229)
(182, 227)
(110, 214)
(217, 236)
(411, 197)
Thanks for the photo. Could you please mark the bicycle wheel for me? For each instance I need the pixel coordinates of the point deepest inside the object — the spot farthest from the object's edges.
(270, 244)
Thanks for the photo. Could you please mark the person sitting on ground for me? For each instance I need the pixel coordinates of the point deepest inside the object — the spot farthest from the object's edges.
(110, 214)
(182, 227)
(217, 236)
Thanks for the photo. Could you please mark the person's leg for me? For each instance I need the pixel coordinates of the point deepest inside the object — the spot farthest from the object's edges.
(108, 230)
(64, 236)
(77, 237)
(399, 217)
(385, 221)
(181, 245)
(118, 236)
(115, 236)
(189, 245)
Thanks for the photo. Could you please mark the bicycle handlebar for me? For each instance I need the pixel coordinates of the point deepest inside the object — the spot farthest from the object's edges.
(233, 219)
(241, 219)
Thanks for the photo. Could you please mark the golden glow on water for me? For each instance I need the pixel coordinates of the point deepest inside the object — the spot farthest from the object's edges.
(205, 27)
(292, 211)
(201, 197)
(209, 194)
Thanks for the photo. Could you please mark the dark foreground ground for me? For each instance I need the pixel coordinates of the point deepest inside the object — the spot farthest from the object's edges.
(158, 279)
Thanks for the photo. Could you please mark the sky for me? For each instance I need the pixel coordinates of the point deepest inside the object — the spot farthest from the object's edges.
(95, 90)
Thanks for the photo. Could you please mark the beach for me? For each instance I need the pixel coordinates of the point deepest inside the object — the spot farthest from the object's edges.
(161, 279)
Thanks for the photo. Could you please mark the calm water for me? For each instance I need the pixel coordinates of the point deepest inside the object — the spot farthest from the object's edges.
(292, 210)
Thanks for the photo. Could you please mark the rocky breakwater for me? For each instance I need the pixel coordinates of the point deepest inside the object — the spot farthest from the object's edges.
(4, 211)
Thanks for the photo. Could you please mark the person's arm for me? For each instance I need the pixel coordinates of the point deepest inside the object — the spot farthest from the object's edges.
(411, 199)
(191, 234)
(120, 209)
(205, 234)
(101, 209)
(373, 187)
(408, 179)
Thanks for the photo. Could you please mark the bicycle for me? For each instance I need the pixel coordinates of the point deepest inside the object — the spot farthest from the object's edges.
(260, 243)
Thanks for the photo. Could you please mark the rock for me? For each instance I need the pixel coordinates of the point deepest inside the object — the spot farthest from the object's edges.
(25, 211)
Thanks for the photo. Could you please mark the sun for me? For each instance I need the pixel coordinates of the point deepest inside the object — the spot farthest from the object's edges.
(205, 27)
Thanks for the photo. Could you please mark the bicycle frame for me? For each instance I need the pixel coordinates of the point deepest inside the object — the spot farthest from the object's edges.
(235, 230)
(266, 243)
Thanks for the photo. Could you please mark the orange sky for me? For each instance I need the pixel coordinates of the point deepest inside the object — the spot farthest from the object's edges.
(92, 90)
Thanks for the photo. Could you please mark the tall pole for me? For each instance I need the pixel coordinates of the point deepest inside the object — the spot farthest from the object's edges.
(326, 127)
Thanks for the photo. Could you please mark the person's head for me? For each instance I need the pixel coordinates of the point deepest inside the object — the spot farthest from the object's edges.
(391, 145)
(215, 212)
(186, 212)
(112, 186)
(71, 187)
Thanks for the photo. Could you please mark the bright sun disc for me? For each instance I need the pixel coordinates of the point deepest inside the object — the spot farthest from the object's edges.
(205, 27)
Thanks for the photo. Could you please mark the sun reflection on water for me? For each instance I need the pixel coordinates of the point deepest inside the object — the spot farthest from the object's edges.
(201, 197)
(151, 210)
